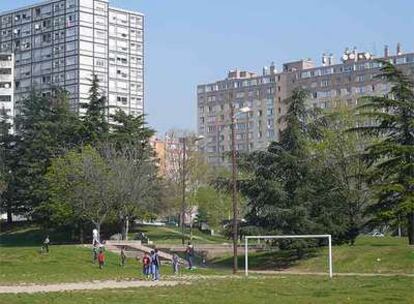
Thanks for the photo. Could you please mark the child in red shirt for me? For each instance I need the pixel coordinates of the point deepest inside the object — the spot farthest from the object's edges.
(101, 259)
(146, 264)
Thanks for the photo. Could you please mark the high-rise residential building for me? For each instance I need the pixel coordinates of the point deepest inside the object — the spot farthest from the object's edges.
(62, 43)
(259, 100)
(7, 86)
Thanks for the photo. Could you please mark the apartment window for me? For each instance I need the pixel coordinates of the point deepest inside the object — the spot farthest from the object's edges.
(46, 79)
(5, 71)
(324, 83)
(123, 100)
(47, 38)
(100, 63)
(5, 85)
(70, 3)
(5, 98)
(38, 11)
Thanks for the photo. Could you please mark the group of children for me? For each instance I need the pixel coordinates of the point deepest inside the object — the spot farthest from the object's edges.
(151, 265)
(151, 262)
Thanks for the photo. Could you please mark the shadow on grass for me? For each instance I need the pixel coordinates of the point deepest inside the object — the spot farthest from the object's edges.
(29, 235)
(268, 260)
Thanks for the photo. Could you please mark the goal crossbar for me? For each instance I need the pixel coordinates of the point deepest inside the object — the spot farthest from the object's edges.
(305, 236)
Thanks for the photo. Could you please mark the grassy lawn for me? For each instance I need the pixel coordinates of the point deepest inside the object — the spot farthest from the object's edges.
(286, 290)
(368, 255)
(172, 235)
(68, 263)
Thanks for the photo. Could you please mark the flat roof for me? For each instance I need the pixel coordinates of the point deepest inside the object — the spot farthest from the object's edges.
(51, 1)
(27, 7)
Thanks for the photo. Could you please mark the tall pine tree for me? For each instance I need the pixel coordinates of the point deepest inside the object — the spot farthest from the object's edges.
(392, 156)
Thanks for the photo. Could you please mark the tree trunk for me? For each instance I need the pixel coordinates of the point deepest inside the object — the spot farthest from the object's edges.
(410, 228)
(126, 228)
(81, 236)
(9, 216)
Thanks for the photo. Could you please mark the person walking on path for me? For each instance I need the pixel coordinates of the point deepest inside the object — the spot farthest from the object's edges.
(123, 256)
(175, 260)
(146, 266)
(46, 244)
(101, 258)
(189, 254)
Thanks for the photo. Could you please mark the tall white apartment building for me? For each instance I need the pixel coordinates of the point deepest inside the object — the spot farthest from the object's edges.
(7, 85)
(62, 43)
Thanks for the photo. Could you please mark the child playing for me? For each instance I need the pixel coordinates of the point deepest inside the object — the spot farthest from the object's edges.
(175, 260)
(146, 265)
(123, 256)
(101, 259)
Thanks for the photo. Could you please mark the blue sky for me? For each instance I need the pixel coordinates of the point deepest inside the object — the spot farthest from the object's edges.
(189, 42)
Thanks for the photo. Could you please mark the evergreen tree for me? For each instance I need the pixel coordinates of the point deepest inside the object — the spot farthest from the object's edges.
(45, 128)
(6, 148)
(96, 126)
(392, 156)
(278, 191)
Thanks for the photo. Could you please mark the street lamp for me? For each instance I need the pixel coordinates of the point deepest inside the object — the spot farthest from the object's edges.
(183, 140)
(234, 180)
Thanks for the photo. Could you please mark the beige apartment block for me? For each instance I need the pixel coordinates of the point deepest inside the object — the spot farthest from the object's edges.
(265, 96)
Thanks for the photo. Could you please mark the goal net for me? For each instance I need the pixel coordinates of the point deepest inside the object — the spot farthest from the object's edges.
(276, 237)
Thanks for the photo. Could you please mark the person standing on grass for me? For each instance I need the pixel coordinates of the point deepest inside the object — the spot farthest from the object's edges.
(46, 243)
(95, 251)
(175, 260)
(155, 265)
(189, 254)
(123, 256)
(101, 258)
(146, 265)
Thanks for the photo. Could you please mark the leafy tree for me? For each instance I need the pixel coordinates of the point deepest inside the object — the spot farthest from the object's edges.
(213, 206)
(134, 181)
(80, 187)
(392, 156)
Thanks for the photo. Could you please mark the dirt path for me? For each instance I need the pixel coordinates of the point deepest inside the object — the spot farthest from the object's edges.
(94, 285)
(169, 281)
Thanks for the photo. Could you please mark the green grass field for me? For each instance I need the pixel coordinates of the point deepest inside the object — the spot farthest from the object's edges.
(21, 262)
(69, 263)
(172, 235)
(368, 255)
(286, 290)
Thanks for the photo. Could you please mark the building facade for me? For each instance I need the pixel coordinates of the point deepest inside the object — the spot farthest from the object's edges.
(62, 43)
(7, 86)
(264, 97)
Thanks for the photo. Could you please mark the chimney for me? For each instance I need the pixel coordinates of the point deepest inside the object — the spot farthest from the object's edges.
(399, 49)
(324, 59)
(331, 59)
(386, 51)
(272, 68)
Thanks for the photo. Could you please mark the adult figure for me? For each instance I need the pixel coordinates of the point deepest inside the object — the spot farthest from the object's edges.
(46, 243)
(189, 254)
(156, 264)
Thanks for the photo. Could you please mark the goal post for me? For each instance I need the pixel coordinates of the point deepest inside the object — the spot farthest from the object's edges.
(308, 236)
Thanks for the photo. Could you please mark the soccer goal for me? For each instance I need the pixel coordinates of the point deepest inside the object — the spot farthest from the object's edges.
(269, 237)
